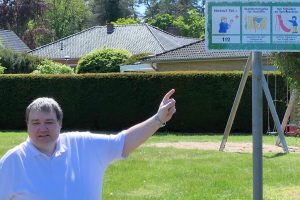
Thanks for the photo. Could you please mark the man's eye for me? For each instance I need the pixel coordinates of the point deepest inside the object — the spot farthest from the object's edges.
(50, 122)
(35, 123)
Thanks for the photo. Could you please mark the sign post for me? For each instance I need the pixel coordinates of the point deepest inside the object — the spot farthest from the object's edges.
(254, 25)
(257, 125)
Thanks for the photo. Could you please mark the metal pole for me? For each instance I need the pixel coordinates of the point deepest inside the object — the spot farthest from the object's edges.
(257, 126)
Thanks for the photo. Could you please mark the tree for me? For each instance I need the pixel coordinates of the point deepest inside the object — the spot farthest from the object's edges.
(67, 16)
(15, 14)
(288, 64)
(173, 7)
(107, 11)
(37, 34)
(192, 24)
(152, 7)
(162, 21)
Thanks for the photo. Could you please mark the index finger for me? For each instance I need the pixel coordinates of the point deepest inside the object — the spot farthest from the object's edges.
(168, 95)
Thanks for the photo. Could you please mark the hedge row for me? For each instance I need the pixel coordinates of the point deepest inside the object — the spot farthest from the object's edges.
(117, 101)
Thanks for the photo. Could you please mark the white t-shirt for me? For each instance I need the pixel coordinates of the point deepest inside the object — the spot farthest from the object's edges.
(74, 171)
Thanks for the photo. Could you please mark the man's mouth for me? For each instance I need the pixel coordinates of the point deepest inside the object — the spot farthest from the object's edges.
(43, 136)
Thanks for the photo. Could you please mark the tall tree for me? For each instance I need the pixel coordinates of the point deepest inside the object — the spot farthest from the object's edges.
(162, 21)
(192, 24)
(172, 7)
(15, 14)
(37, 33)
(152, 7)
(107, 11)
(67, 16)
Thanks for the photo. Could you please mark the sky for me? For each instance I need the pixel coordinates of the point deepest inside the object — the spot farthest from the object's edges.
(141, 9)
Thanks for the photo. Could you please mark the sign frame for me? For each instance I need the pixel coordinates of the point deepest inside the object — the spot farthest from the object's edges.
(287, 42)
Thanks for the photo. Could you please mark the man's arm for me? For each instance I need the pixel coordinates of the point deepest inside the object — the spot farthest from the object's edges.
(138, 134)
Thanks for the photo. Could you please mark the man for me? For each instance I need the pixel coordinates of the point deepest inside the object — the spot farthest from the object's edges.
(54, 166)
(224, 25)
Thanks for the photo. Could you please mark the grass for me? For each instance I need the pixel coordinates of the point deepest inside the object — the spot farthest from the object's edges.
(169, 173)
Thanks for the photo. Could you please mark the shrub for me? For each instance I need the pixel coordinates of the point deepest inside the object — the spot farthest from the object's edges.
(102, 60)
(50, 67)
(2, 69)
(18, 63)
(136, 57)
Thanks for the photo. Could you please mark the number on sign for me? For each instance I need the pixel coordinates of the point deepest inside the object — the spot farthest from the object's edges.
(226, 39)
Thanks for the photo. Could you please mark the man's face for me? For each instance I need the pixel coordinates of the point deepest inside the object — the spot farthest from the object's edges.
(43, 129)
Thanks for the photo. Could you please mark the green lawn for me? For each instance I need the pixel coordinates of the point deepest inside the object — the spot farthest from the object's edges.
(169, 173)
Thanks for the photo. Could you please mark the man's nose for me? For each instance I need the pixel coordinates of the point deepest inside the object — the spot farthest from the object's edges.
(43, 127)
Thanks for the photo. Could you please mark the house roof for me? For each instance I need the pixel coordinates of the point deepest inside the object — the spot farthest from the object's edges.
(136, 38)
(196, 51)
(11, 41)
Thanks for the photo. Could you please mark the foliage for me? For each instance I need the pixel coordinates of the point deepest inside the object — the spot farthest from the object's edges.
(192, 24)
(67, 16)
(50, 67)
(15, 14)
(37, 34)
(204, 100)
(171, 7)
(128, 20)
(162, 21)
(107, 11)
(289, 65)
(2, 69)
(16, 63)
(102, 61)
(136, 57)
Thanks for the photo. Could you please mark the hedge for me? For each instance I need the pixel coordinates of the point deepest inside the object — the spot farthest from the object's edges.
(116, 101)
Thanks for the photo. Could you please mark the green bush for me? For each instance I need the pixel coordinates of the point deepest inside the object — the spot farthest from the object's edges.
(102, 61)
(2, 69)
(136, 57)
(50, 67)
(18, 63)
(116, 101)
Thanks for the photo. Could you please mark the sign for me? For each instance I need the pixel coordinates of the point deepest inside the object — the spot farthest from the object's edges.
(253, 25)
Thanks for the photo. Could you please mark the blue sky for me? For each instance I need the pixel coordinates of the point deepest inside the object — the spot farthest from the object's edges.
(141, 9)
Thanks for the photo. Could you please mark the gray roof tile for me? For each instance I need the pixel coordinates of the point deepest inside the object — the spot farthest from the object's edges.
(196, 51)
(135, 38)
(11, 41)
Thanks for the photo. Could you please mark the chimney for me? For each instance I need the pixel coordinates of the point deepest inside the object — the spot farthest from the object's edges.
(110, 28)
(174, 30)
